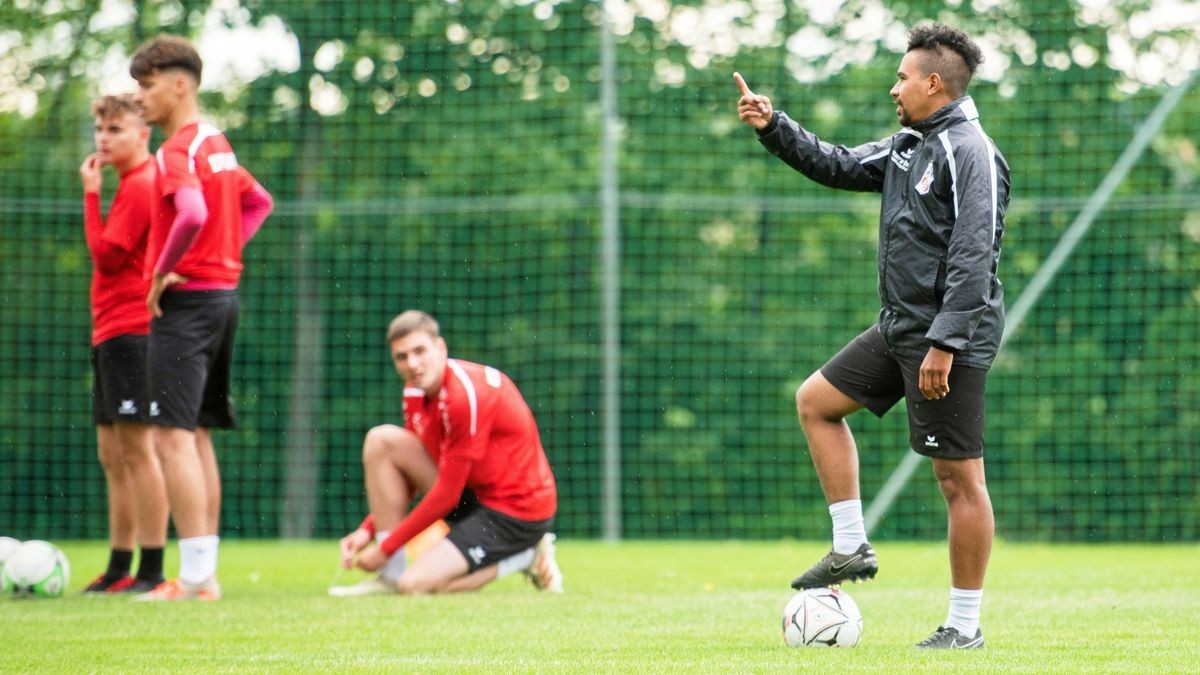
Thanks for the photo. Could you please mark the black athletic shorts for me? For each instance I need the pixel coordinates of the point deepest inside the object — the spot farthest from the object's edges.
(119, 380)
(190, 358)
(869, 372)
(485, 536)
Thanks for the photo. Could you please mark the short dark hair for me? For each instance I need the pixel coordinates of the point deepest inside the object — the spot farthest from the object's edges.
(164, 53)
(951, 54)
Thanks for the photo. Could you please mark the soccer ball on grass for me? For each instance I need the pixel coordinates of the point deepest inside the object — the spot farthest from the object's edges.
(8, 545)
(36, 568)
(822, 617)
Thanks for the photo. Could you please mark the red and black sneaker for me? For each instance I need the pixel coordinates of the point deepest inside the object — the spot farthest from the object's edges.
(107, 584)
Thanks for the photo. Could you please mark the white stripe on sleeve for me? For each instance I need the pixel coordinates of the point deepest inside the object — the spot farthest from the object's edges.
(469, 387)
(992, 171)
(944, 137)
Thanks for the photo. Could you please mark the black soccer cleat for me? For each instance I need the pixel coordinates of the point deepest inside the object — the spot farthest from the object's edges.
(837, 568)
(950, 638)
(141, 585)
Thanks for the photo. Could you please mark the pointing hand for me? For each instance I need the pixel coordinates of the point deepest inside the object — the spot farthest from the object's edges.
(753, 109)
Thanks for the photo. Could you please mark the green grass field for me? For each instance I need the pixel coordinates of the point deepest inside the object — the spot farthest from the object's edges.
(638, 606)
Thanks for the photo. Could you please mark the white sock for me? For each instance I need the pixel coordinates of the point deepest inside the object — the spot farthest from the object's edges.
(198, 559)
(964, 611)
(395, 565)
(514, 563)
(849, 531)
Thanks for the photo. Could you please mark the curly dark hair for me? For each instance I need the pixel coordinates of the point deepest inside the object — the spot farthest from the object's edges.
(950, 54)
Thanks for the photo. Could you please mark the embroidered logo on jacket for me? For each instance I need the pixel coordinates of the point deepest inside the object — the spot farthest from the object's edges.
(926, 181)
(903, 159)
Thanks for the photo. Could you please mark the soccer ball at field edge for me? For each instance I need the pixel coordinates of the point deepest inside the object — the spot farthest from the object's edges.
(36, 569)
(822, 617)
(8, 546)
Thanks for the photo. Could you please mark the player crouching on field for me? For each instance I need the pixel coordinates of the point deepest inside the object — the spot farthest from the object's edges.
(471, 445)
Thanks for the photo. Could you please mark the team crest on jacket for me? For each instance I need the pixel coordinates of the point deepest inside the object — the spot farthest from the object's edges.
(926, 181)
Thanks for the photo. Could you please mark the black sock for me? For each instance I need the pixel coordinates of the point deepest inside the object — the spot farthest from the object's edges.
(119, 562)
(150, 568)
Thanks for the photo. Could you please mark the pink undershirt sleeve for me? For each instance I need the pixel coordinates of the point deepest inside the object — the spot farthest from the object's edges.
(256, 206)
(190, 214)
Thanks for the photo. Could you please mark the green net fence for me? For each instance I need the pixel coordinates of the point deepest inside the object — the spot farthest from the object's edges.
(448, 155)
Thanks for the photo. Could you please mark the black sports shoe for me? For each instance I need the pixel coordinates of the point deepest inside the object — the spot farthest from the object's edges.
(140, 585)
(836, 568)
(950, 638)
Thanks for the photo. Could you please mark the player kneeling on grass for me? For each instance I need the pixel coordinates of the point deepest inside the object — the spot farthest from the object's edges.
(471, 445)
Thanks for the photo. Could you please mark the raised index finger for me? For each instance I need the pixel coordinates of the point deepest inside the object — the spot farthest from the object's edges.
(742, 85)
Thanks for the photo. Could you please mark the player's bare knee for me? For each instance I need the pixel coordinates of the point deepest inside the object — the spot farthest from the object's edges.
(379, 442)
(810, 402)
(411, 585)
(957, 488)
(110, 459)
(135, 446)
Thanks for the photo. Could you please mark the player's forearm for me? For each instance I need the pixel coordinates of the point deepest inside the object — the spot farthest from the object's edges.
(190, 214)
(105, 256)
(424, 515)
(830, 165)
(257, 204)
(437, 504)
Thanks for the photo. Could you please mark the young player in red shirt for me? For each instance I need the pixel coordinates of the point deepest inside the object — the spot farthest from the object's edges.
(471, 445)
(206, 209)
(137, 502)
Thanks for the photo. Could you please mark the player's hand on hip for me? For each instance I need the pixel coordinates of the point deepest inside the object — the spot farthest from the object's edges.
(351, 544)
(89, 173)
(159, 284)
(934, 379)
(753, 109)
(371, 560)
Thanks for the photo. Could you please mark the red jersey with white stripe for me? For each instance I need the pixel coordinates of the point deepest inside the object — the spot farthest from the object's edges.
(479, 417)
(118, 285)
(199, 156)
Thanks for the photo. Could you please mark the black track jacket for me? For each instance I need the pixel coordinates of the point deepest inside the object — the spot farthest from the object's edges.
(945, 191)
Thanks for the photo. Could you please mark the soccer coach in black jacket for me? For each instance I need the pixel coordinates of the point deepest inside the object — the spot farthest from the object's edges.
(945, 191)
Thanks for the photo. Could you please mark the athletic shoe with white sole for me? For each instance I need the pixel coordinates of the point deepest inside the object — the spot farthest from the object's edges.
(544, 571)
(950, 638)
(373, 586)
(178, 589)
(836, 568)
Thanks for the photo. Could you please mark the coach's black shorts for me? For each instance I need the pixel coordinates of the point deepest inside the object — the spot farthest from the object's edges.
(190, 358)
(119, 380)
(869, 372)
(485, 536)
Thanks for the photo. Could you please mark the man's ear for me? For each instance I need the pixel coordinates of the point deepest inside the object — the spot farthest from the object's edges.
(183, 83)
(935, 84)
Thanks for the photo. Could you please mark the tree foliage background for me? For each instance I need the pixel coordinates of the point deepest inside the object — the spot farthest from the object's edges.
(446, 154)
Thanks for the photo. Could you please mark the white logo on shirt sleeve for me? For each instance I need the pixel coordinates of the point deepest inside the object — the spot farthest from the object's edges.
(222, 161)
(492, 377)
